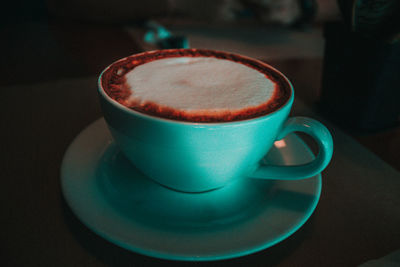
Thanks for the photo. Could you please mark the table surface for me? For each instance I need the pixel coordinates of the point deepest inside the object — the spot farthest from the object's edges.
(356, 220)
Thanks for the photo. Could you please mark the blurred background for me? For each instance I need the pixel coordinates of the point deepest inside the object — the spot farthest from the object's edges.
(341, 56)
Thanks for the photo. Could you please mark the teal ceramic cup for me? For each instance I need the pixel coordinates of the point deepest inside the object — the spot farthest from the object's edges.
(198, 157)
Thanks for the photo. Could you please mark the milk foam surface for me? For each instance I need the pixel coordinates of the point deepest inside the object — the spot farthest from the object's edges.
(198, 84)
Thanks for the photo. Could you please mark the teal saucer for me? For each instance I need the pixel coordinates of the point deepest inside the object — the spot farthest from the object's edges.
(120, 204)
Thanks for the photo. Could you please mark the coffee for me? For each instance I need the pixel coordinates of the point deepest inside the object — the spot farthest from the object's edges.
(196, 85)
(168, 88)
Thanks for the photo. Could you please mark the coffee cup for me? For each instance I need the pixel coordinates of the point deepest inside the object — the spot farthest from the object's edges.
(197, 150)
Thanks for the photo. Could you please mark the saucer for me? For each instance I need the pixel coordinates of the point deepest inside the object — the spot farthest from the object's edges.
(112, 198)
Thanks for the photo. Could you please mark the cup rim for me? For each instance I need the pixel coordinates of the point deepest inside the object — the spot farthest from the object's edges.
(125, 109)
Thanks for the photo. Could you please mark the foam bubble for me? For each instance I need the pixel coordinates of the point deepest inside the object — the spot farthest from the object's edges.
(198, 85)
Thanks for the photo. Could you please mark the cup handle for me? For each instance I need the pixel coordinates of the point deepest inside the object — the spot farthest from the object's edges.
(296, 172)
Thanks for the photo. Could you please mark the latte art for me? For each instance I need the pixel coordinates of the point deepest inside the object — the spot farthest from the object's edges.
(198, 88)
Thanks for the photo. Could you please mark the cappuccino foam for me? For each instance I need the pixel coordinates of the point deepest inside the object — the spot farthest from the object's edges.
(198, 86)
